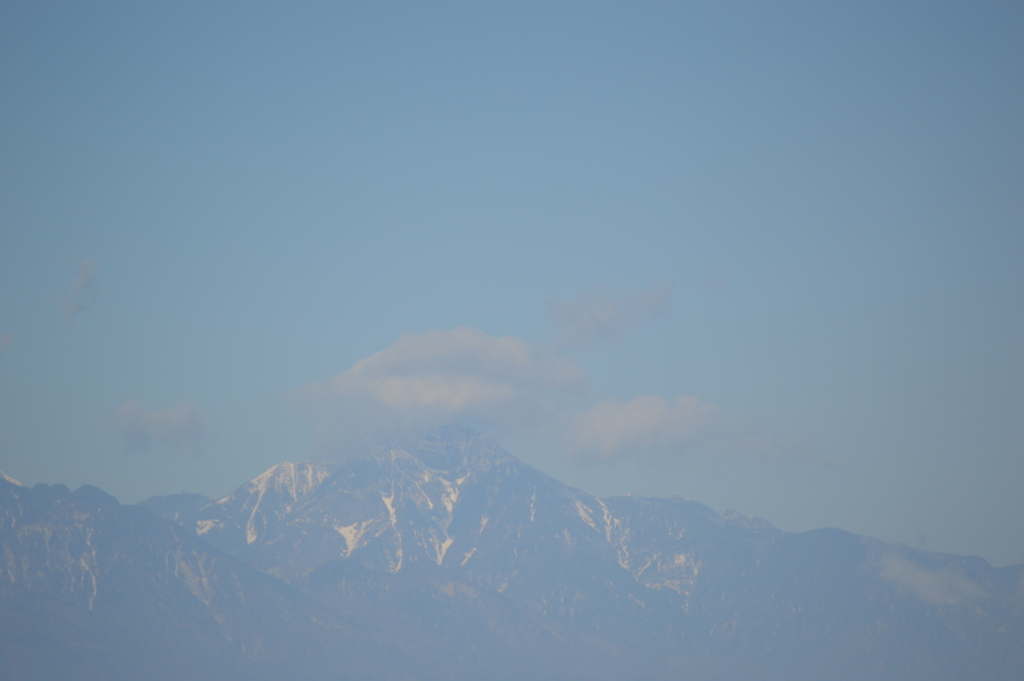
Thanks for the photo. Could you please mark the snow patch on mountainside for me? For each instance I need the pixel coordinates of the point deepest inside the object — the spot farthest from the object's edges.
(608, 521)
(389, 503)
(442, 548)
(584, 514)
(352, 534)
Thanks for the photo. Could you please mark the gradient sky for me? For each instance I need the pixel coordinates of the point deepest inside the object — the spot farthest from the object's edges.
(764, 255)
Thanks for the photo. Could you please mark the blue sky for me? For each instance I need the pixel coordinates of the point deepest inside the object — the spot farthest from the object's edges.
(764, 255)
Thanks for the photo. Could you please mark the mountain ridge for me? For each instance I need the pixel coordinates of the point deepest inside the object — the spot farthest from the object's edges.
(447, 557)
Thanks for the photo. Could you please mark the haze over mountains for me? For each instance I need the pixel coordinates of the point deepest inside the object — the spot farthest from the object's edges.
(445, 557)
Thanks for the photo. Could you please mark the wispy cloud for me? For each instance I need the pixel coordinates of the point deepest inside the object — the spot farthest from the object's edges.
(439, 377)
(181, 428)
(82, 295)
(648, 423)
(603, 315)
(651, 427)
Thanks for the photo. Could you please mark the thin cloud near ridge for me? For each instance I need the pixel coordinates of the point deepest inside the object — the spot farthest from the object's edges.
(943, 586)
(651, 427)
(612, 428)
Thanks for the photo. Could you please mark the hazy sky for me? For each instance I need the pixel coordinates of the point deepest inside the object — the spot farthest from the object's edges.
(764, 255)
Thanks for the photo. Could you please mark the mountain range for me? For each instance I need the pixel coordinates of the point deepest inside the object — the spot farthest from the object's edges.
(445, 557)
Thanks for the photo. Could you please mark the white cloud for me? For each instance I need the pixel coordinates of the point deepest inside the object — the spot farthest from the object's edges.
(181, 428)
(602, 316)
(83, 291)
(944, 586)
(438, 377)
(650, 426)
(510, 387)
